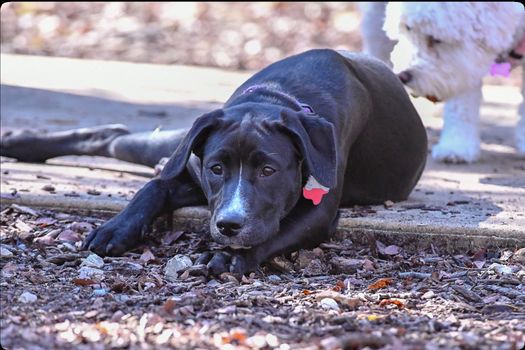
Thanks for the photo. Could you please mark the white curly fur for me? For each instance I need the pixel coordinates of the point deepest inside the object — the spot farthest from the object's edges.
(448, 47)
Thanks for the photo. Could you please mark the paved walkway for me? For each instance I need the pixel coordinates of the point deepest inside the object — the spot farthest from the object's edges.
(453, 206)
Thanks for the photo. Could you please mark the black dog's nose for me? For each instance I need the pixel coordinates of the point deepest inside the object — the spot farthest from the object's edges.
(230, 225)
(405, 76)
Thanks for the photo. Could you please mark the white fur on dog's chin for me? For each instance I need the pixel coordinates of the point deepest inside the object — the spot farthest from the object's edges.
(444, 71)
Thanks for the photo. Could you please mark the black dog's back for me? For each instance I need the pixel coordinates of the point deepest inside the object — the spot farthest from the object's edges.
(394, 132)
(377, 125)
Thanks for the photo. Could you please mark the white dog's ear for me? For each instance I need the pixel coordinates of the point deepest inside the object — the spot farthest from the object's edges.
(499, 22)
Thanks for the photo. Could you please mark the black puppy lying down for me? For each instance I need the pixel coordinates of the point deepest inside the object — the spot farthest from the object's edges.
(299, 139)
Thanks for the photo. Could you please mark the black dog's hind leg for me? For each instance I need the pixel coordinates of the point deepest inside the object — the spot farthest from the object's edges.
(35, 146)
(114, 141)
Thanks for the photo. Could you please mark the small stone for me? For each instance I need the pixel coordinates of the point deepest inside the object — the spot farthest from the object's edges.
(117, 316)
(27, 297)
(257, 283)
(257, 341)
(329, 304)
(5, 253)
(274, 278)
(272, 340)
(86, 272)
(93, 260)
(501, 269)
(213, 283)
(428, 295)
(100, 292)
(176, 264)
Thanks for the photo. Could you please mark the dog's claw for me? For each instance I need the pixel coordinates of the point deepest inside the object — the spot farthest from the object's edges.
(218, 263)
(238, 265)
(203, 259)
(221, 261)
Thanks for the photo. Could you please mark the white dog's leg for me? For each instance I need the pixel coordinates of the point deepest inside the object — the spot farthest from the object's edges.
(520, 128)
(460, 140)
(375, 41)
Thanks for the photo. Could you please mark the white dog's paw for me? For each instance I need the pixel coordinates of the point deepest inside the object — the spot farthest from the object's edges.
(456, 151)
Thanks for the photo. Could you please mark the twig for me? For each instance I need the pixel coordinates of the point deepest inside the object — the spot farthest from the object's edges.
(467, 294)
(508, 292)
(412, 274)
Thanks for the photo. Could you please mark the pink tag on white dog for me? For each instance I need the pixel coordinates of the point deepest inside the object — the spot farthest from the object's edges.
(314, 191)
(502, 69)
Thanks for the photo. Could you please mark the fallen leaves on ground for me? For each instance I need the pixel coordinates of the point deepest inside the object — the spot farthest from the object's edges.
(55, 296)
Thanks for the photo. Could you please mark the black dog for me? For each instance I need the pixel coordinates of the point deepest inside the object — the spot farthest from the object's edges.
(299, 139)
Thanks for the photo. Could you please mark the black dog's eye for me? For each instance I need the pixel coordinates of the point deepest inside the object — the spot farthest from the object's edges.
(267, 171)
(216, 169)
(408, 28)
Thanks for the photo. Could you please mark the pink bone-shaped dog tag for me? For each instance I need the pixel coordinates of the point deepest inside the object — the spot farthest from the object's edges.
(314, 191)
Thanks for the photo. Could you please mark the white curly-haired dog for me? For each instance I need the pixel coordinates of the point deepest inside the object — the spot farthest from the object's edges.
(451, 46)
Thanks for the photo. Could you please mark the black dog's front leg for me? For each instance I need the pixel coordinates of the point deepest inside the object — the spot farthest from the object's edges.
(305, 227)
(126, 230)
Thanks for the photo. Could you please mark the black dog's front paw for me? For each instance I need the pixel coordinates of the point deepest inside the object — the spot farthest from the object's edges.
(225, 261)
(115, 237)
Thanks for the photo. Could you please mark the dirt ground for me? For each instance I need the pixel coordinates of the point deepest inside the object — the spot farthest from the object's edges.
(340, 295)
(239, 35)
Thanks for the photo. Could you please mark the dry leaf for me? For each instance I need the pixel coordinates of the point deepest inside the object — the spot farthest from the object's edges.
(238, 335)
(146, 256)
(83, 281)
(382, 283)
(397, 303)
(339, 286)
(171, 237)
(169, 306)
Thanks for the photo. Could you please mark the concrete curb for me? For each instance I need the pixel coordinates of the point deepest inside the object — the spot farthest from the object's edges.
(360, 230)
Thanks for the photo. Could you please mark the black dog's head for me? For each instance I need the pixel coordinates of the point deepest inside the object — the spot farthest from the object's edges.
(254, 159)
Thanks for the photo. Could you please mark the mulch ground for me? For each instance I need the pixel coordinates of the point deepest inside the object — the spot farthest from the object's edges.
(339, 295)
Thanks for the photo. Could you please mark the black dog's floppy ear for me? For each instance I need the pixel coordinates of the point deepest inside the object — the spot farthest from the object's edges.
(316, 140)
(199, 129)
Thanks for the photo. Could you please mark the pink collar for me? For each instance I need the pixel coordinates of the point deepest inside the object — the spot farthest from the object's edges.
(505, 62)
